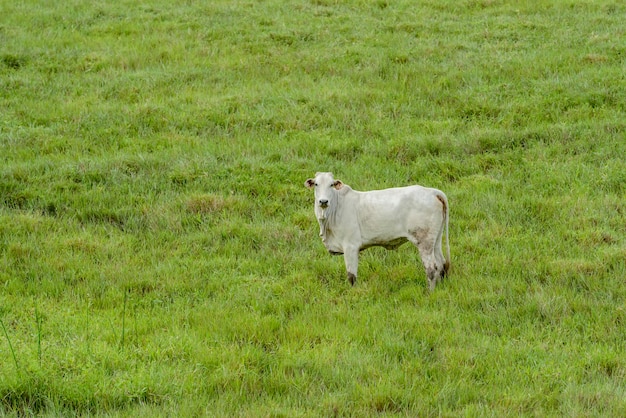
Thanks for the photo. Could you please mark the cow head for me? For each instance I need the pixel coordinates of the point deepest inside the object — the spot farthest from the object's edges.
(325, 186)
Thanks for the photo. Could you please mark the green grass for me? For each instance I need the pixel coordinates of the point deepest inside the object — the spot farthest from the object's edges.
(159, 254)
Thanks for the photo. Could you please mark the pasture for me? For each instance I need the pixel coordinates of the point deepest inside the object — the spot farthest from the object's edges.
(159, 255)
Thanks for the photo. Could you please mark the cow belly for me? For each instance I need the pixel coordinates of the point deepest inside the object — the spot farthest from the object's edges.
(388, 245)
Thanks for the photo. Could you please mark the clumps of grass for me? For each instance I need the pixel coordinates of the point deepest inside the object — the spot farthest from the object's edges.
(27, 398)
(41, 394)
(12, 61)
(13, 195)
(104, 216)
(349, 151)
(205, 204)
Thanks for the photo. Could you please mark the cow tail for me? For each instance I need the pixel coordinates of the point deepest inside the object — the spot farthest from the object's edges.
(446, 265)
(446, 215)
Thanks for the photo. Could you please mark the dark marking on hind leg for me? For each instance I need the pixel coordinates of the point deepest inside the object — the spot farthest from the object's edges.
(443, 273)
(351, 278)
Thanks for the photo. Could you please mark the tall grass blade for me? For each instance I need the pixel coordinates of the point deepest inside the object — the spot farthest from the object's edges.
(38, 321)
(123, 321)
(6, 334)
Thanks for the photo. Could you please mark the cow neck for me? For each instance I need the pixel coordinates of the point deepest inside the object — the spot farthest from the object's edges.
(328, 219)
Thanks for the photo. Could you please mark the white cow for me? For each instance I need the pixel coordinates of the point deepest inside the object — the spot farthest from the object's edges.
(351, 221)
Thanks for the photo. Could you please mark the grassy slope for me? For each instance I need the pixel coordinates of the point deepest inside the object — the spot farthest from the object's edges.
(158, 251)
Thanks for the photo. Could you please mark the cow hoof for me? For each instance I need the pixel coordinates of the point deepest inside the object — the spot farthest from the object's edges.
(351, 278)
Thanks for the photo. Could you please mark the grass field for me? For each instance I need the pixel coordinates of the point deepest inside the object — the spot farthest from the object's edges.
(159, 253)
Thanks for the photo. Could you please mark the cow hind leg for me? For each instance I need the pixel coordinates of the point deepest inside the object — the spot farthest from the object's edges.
(432, 271)
(433, 262)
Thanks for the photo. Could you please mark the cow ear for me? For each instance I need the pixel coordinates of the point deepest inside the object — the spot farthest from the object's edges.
(309, 183)
(337, 184)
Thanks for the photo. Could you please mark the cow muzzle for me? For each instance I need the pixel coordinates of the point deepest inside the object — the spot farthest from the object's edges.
(323, 203)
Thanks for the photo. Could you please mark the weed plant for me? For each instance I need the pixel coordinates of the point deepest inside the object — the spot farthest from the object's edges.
(158, 251)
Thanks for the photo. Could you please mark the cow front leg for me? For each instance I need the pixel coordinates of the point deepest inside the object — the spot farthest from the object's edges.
(351, 257)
